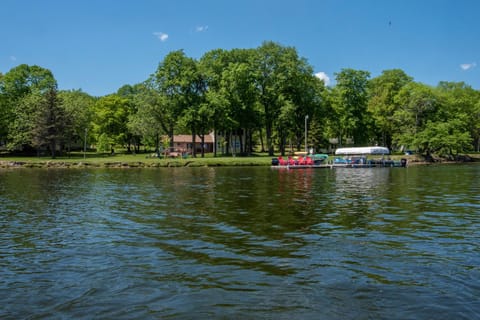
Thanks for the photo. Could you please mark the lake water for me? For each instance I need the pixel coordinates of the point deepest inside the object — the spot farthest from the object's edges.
(240, 243)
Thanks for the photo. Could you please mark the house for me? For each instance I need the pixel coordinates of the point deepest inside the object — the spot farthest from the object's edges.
(183, 143)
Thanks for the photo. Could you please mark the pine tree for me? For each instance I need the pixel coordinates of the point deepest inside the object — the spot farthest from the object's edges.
(51, 123)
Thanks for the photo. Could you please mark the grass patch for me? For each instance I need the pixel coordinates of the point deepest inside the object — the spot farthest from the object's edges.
(132, 161)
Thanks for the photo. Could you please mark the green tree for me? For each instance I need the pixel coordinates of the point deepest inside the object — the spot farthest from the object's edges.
(78, 107)
(322, 126)
(149, 121)
(381, 103)
(195, 115)
(51, 123)
(40, 123)
(461, 102)
(174, 82)
(232, 95)
(280, 74)
(131, 93)
(304, 94)
(270, 74)
(110, 121)
(417, 103)
(240, 93)
(17, 84)
(351, 99)
(20, 133)
(212, 64)
(446, 138)
(475, 126)
(3, 116)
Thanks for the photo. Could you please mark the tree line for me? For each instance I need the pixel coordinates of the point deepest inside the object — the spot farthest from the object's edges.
(262, 96)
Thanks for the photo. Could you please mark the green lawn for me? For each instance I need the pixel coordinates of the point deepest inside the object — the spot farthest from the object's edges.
(137, 160)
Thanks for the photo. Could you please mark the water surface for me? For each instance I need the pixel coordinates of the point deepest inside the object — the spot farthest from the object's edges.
(183, 243)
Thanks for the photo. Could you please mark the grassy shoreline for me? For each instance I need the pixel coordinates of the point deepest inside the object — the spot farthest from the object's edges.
(129, 161)
(93, 160)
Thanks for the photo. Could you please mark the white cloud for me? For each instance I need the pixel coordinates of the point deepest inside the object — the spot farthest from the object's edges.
(323, 76)
(13, 58)
(468, 66)
(201, 28)
(161, 36)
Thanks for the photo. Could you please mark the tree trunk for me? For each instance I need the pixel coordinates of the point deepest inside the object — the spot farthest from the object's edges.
(249, 142)
(202, 141)
(283, 144)
(261, 140)
(157, 144)
(233, 145)
(215, 144)
(226, 145)
(170, 135)
(53, 147)
(269, 139)
(240, 140)
(194, 147)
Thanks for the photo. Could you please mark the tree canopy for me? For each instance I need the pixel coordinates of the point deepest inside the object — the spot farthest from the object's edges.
(249, 98)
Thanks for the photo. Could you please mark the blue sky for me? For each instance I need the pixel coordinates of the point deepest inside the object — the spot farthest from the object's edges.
(100, 45)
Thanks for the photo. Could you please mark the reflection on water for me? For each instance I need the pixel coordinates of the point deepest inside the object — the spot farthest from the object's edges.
(241, 243)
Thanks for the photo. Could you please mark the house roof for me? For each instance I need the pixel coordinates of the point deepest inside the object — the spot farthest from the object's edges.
(187, 138)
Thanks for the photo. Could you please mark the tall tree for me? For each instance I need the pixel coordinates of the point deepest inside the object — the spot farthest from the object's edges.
(3, 113)
(149, 121)
(269, 82)
(15, 85)
(446, 138)
(418, 104)
(40, 123)
(50, 124)
(462, 102)
(351, 101)
(323, 126)
(131, 93)
(174, 81)
(78, 106)
(304, 93)
(279, 70)
(238, 87)
(381, 103)
(195, 115)
(232, 96)
(475, 120)
(20, 131)
(110, 122)
(212, 64)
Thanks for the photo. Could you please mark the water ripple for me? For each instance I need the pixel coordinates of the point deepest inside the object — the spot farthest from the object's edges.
(240, 243)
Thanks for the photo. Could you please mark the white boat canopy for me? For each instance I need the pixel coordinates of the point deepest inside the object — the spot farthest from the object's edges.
(362, 150)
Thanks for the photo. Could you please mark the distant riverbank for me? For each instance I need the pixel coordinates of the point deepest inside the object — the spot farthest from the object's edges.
(140, 161)
(131, 161)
